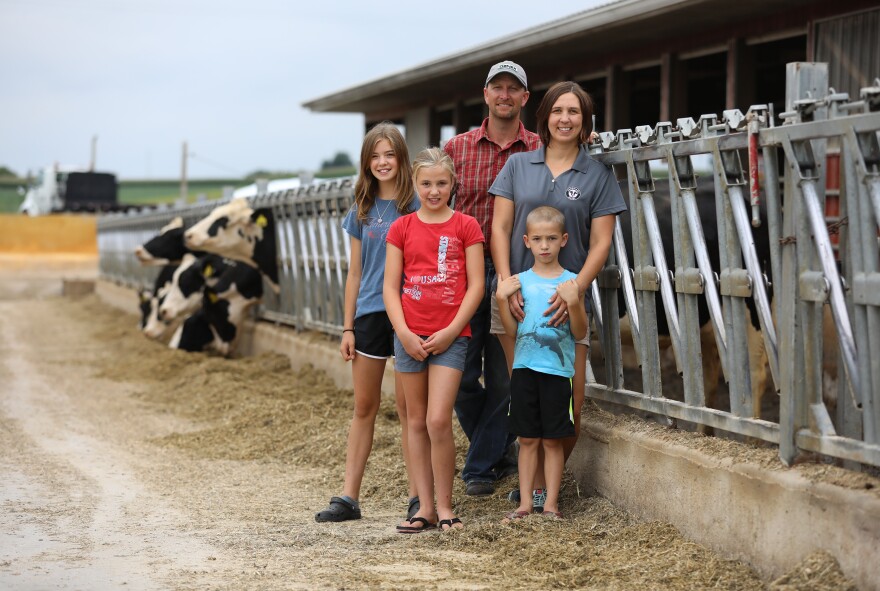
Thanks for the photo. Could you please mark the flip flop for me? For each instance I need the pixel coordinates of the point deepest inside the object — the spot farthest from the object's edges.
(426, 525)
(413, 507)
(553, 515)
(449, 524)
(515, 516)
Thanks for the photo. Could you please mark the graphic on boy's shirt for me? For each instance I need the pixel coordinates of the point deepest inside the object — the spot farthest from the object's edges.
(539, 345)
(546, 336)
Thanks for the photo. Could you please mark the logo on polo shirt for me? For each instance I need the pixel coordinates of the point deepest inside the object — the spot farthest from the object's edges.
(573, 193)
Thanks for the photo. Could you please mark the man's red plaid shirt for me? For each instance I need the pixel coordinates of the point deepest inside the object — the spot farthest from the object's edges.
(478, 160)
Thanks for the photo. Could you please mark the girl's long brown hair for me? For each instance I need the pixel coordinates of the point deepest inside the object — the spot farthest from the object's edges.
(367, 186)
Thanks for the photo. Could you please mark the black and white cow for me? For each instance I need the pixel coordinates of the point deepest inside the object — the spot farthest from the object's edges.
(236, 231)
(183, 295)
(165, 248)
(150, 301)
(216, 325)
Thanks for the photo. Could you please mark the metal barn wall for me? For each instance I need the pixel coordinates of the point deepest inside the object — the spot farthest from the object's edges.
(850, 45)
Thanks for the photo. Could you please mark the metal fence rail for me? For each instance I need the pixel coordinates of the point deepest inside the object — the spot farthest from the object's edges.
(786, 289)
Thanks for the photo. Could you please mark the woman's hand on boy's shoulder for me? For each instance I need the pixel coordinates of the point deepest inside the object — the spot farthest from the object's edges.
(507, 287)
(569, 291)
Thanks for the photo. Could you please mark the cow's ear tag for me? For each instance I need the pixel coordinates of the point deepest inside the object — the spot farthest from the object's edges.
(262, 221)
(213, 297)
(209, 270)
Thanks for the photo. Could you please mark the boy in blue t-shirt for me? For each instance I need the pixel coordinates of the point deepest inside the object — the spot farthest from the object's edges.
(543, 360)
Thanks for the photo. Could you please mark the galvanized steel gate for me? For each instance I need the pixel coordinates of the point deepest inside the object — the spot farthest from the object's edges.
(807, 276)
(802, 264)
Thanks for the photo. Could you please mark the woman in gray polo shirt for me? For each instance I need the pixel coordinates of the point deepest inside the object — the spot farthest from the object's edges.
(563, 175)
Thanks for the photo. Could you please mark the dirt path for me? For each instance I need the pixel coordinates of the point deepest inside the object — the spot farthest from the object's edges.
(127, 465)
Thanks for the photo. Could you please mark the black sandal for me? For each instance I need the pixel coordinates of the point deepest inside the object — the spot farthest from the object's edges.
(448, 523)
(426, 525)
(413, 508)
(339, 510)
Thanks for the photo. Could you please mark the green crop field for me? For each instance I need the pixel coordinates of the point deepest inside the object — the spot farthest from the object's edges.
(132, 192)
(9, 197)
(168, 191)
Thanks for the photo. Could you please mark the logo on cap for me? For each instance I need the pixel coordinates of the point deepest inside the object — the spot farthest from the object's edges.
(508, 67)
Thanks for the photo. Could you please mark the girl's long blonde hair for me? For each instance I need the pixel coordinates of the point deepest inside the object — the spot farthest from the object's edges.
(367, 186)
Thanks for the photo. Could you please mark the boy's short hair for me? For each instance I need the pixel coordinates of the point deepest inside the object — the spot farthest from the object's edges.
(546, 213)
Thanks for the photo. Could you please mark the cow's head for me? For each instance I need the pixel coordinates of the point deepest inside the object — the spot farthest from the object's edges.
(145, 305)
(183, 294)
(231, 230)
(150, 323)
(165, 248)
(237, 231)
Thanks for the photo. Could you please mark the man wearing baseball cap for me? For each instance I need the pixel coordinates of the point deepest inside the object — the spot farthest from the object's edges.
(478, 156)
(508, 67)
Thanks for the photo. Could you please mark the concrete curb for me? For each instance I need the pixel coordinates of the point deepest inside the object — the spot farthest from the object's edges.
(770, 519)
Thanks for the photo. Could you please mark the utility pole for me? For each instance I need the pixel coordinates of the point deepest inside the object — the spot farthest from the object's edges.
(94, 151)
(184, 193)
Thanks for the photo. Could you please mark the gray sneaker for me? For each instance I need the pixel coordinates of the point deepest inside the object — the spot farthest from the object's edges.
(539, 497)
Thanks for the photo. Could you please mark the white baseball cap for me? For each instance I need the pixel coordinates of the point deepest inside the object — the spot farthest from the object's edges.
(508, 67)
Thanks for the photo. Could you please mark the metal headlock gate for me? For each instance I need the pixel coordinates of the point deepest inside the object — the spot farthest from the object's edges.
(806, 275)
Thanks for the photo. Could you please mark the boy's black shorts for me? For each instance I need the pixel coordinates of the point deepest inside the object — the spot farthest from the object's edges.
(541, 405)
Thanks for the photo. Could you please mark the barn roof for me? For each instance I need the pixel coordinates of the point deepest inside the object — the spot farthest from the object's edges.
(618, 32)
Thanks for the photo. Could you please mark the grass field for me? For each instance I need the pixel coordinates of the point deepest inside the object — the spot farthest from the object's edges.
(9, 197)
(168, 191)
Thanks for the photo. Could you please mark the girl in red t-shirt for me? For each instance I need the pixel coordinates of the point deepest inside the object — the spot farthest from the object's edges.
(434, 281)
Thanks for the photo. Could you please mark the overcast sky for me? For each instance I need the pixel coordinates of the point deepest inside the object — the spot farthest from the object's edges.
(227, 77)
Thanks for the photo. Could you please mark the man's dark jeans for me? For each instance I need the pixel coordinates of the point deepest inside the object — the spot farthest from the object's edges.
(482, 410)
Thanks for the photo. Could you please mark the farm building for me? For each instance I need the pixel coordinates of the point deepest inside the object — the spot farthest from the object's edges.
(643, 61)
